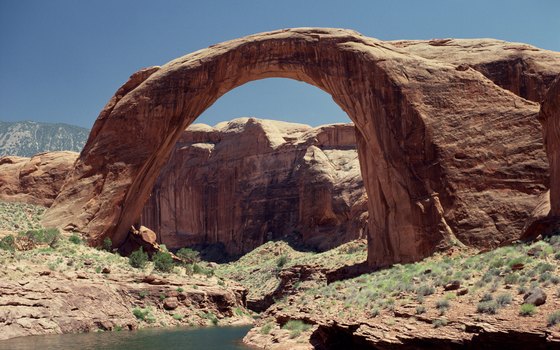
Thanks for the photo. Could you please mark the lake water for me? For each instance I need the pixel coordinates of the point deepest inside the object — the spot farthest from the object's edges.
(218, 338)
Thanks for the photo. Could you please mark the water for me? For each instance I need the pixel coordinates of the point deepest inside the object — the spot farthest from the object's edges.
(222, 338)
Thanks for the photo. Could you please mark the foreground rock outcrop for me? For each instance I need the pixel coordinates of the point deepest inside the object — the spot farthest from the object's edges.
(248, 181)
(445, 152)
(35, 180)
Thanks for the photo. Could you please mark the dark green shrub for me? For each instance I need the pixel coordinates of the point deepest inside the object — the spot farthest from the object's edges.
(138, 259)
(42, 236)
(163, 261)
(8, 243)
(188, 255)
(75, 239)
(141, 314)
(107, 244)
(282, 260)
(425, 290)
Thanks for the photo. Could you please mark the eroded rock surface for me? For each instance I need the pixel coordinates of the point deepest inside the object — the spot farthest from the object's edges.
(445, 152)
(249, 180)
(35, 180)
(550, 119)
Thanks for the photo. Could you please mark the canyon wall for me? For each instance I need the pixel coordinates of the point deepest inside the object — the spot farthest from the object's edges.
(248, 181)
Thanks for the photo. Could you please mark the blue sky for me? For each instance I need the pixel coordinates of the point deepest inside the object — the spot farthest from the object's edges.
(61, 61)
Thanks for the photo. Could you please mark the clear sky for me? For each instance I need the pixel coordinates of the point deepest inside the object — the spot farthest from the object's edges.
(61, 60)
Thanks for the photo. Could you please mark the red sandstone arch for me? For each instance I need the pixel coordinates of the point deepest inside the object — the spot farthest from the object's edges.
(423, 129)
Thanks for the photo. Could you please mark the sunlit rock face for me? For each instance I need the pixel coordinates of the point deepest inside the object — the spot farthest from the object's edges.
(445, 151)
(249, 180)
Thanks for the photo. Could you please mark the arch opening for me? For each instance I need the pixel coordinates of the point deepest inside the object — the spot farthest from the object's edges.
(397, 101)
(231, 187)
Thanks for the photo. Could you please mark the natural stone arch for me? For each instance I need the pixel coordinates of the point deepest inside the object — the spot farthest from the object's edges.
(410, 114)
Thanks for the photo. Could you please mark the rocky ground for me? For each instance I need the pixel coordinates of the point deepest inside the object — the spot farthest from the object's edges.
(462, 299)
(62, 286)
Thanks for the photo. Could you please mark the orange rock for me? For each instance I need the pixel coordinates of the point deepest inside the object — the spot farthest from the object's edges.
(444, 152)
(249, 180)
(35, 180)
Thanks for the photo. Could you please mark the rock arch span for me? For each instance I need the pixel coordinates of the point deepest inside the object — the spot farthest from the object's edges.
(436, 141)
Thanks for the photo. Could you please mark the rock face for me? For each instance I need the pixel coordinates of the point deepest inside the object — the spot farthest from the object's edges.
(550, 118)
(35, 180)
(444, 151)
(249, 180)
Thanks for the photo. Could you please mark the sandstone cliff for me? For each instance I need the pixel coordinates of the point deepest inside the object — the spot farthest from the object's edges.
(248, 181)
(35, 180)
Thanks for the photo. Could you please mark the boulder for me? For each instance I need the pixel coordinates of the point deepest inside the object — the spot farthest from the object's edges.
(535, 296)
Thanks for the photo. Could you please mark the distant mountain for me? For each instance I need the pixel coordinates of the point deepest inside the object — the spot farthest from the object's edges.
(28, 138)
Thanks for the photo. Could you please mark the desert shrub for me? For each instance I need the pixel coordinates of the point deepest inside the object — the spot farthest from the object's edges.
(138, 258)
(8, 243)
(178, 317)
(201, 270)
(420, 309)
(487, 307)
(282, 260)
(374, 312)
(487, 297)
(553, 319)
(545, 267)
(188, 255)
(442, 305)
(211, 317)
(439, 322)
(141, 314)
(527, 310)
(107, 244)
(76, 239)
(296, 327)
(511, 278)
(163, 261)
(425, 290)
(49, 236)
(266, 328)
(503, 299)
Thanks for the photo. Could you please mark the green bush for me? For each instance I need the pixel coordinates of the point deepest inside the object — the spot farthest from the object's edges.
(163, 261)
(282, 260)
(439, 322)
(553, 319)
(200, 270)
(138, 259)
(266, 328)
(527, 310)
(8, 243)
(75, 239)
(296, 327)
(188, 255)
(107, 244)
(487, 297)
(49, 236)
(178, 317)
(141, 314)
(211, 317)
